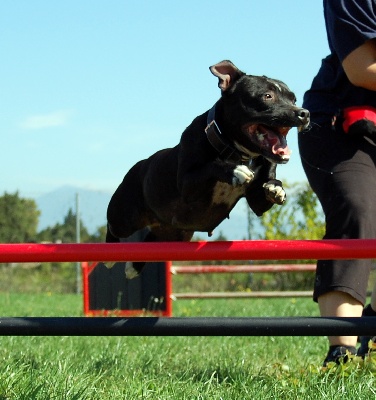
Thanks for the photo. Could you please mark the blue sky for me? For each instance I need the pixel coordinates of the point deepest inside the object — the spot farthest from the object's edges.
(90, 87)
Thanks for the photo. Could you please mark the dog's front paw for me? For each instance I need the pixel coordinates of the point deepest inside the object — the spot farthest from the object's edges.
(242, 174)
(274, 191)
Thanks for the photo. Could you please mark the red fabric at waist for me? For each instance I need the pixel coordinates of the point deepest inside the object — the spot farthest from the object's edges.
(354, 114)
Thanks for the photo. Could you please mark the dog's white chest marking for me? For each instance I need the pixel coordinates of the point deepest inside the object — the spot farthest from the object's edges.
(227, 194)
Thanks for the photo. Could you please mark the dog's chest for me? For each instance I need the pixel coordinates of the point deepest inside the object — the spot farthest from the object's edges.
(226, 194)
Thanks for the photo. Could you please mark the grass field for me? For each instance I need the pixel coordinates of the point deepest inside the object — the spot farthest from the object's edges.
(173, 367)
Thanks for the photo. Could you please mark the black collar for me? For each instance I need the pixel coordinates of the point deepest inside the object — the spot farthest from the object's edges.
(226, 151)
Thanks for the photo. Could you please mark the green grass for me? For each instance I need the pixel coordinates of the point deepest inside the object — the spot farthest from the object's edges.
(173, 367)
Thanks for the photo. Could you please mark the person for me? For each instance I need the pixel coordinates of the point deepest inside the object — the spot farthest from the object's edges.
(338, 154)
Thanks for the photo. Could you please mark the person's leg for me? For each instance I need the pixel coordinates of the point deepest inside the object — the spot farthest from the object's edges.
(342, 173)
(349, 208)
(340, 304)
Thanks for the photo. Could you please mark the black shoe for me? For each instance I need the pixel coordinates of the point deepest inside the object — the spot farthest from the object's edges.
(367, 345)
(339, 354)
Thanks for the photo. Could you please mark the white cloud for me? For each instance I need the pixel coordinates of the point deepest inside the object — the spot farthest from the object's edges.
(43, 121)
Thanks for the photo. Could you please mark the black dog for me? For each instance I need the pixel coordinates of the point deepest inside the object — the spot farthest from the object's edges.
(226, 153)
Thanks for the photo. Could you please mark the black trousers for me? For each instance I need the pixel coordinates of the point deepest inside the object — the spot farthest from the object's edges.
(342, 172)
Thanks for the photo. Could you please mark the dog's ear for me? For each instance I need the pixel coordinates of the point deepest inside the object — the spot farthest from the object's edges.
(227, 73)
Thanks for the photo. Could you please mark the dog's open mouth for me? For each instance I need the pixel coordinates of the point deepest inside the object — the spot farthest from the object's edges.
(271, 140)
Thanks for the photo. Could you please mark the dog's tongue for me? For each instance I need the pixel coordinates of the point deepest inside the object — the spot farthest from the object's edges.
(279, 145)
(272, 140)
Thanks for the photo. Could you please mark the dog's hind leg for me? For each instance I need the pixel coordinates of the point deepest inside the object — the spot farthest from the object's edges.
(156, 234)
(130, 226)
(133, 268)
(126, 211)
(110, 238)
(138, 236)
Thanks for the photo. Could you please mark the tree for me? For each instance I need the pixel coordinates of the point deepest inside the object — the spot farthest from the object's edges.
(99, 235)
(65, 232)
(18, 219)
(299, 218)
(312, 225)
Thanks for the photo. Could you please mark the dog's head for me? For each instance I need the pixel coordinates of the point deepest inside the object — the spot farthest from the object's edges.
(258, 112)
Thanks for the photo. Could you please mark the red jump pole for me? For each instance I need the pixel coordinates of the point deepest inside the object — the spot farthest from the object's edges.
(195, 251)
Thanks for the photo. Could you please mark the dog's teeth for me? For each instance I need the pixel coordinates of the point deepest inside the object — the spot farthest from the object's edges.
(284, 130)
(286, 157)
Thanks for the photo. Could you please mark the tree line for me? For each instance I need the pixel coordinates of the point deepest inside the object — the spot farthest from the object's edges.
(19, 219)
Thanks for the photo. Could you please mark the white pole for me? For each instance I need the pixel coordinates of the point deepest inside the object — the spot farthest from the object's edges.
(78, 240)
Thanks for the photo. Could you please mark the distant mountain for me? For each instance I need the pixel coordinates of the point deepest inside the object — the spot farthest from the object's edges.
(54, 206)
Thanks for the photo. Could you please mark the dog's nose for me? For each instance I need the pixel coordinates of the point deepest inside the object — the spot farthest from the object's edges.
(302, 114)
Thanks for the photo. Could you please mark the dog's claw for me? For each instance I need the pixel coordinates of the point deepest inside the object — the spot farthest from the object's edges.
(274, 191)
(242, 174)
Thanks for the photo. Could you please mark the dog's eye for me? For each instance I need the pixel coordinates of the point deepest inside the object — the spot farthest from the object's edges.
(268, 96)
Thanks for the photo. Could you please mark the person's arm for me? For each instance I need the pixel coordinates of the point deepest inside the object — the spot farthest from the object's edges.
(360, 65)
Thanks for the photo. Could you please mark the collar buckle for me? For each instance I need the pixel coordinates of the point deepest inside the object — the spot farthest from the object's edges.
(220, 143)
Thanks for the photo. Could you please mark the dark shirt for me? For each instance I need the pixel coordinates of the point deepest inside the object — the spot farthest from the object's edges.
(349, 23)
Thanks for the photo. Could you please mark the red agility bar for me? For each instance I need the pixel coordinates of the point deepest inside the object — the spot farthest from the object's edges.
(195, 251)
